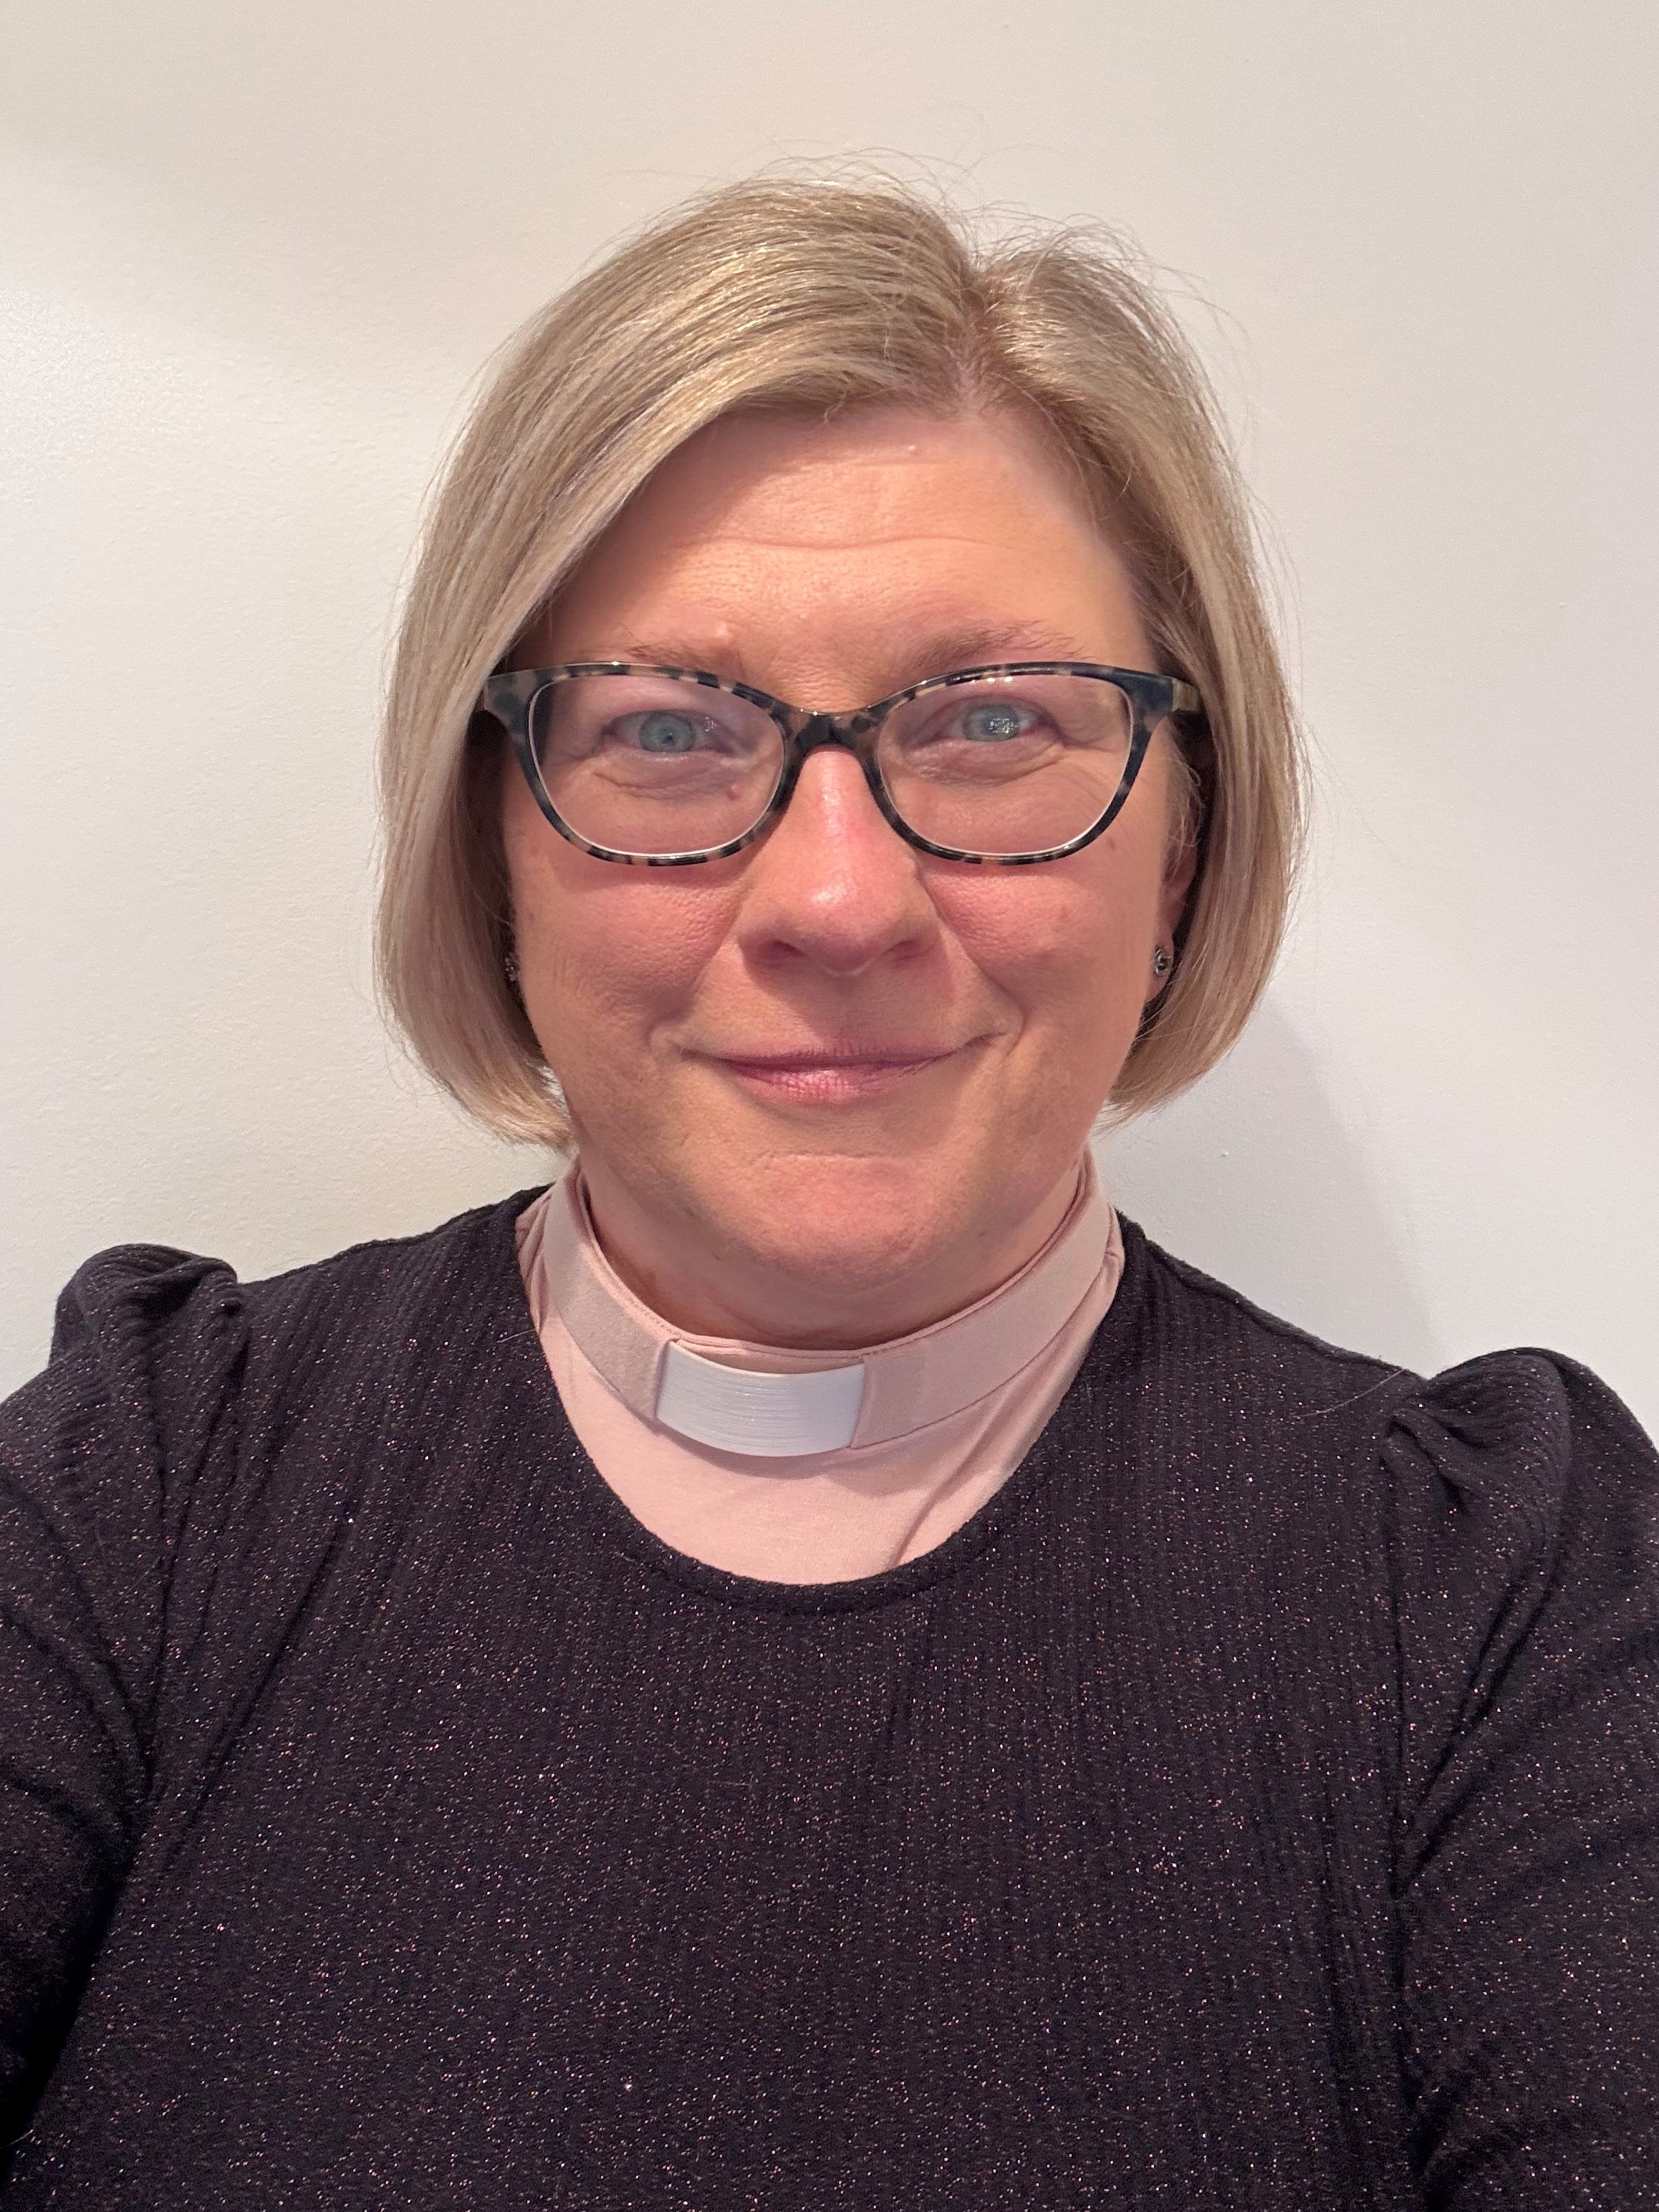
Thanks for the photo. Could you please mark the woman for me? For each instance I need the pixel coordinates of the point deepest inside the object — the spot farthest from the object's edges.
(806, 1663)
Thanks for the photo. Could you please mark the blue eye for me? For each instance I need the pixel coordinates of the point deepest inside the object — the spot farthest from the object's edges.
(665, 732)
(994, 722)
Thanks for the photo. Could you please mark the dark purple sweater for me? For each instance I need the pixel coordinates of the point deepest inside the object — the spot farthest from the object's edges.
(1256, 1803)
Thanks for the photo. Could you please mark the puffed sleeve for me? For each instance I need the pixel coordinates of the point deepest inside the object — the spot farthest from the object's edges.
(96, 1460)
(1526, 1523)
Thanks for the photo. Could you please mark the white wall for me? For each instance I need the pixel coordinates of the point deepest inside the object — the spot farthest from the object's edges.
(252, 258)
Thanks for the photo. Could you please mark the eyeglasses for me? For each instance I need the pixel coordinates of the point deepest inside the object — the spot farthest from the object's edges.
(662, 767)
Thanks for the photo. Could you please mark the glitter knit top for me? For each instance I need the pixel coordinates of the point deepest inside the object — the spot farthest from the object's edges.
(1253, 1803)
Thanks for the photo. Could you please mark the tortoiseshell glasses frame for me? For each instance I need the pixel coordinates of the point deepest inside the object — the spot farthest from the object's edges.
(510, 698)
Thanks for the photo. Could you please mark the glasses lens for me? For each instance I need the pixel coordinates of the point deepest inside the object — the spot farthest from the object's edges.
(1006, 764)
(654, 764)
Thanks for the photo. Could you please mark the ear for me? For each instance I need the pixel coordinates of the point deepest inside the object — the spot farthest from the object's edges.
(1180, 868)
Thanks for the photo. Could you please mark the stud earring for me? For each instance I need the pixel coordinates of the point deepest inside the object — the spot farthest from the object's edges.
(510, 962)
(1161, 962)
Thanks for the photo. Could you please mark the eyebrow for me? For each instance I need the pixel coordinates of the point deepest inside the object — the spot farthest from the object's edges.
(930, 652)
(994, 642)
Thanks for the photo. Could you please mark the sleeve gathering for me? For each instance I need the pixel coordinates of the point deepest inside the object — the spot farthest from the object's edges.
(96, 1458)
(1525, 1503)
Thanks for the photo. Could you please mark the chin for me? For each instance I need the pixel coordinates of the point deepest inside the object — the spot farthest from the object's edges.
(846, 1222)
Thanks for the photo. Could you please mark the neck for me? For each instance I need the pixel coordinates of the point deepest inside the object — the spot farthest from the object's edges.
(705, 1283)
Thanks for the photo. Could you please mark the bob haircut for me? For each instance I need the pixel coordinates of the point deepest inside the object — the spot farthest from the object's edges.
(824, 296)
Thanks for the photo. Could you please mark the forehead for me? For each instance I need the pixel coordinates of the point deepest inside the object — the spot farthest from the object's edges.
(798, 473)
(858, 543)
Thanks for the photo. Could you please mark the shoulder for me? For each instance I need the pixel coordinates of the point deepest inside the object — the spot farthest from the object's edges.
(1510, 1504)
(164, 1301)
(155, 1349)
(386, 1298)
(1528, 1410)
(1220, 1340)
(1523, 1501)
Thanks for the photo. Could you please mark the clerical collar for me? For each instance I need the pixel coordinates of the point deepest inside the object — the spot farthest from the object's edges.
(767, 1402)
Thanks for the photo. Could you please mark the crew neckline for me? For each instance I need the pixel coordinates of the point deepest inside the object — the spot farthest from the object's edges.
(612, 1520)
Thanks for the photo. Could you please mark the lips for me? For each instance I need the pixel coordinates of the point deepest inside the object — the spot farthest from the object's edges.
(834, 1075)
(907, 1055)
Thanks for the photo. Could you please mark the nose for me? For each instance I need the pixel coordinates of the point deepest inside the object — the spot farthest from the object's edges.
(832, 883)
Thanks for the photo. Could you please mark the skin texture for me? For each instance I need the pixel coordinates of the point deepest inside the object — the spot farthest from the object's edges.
(950, 1032)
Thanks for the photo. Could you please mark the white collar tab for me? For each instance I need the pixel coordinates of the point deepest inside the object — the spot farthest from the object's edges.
(765, 1416)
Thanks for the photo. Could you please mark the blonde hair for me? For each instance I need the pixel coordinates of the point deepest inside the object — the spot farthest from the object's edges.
(825, 294)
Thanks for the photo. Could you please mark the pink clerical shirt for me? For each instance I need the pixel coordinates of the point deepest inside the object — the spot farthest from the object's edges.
(810, 1466)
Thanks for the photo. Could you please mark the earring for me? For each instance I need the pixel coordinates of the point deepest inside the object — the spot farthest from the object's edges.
(1161, 962)
(510, 962)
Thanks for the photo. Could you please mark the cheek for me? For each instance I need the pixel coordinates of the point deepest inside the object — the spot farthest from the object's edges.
(1068, 939)
(604, 951)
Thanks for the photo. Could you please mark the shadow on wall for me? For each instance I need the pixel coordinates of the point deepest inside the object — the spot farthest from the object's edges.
(1251, 1177)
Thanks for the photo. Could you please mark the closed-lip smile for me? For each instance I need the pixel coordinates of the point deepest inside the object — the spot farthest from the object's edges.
(833, 1074)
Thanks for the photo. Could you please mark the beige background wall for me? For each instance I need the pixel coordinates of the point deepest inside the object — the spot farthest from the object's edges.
(250, 260)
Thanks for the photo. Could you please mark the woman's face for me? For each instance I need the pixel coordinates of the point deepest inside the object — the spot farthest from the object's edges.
(831, 1088)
